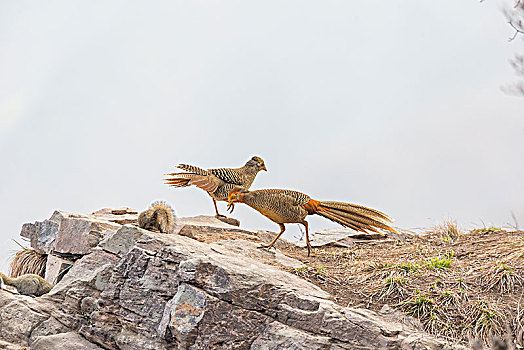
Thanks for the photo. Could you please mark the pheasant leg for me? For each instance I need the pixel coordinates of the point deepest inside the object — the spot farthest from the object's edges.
(307, 237)
(216, 209)
(270, 245)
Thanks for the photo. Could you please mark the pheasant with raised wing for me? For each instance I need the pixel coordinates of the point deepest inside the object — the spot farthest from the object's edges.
(217, 182)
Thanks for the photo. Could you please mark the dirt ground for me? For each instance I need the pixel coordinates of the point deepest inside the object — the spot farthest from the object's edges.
(459, 285)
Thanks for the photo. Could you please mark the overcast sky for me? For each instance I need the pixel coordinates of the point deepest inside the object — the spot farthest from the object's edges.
(395, 105)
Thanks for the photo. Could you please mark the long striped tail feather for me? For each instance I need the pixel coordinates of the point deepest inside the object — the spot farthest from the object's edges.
(361, 227)
(354, 216)
(193, 169)
(341, 221)
(185, 179)
(188, 179)
(177, 180)
(358, 209)
(363, 220)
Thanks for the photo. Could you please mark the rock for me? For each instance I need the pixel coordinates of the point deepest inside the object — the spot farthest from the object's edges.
(42, 235)
(341, 237)
(69, 234)
(77, 236)
(279, 336)
(345, 237)
(63, 341)
(54, 268)
(208, 224)
(115, 211)
(122, 215)
(134, 289)
(253, 250)
(124, 241)
(182, 315)
(229, 221)
(48, 327)
(268, 236)
(9, 346)
(17, 320)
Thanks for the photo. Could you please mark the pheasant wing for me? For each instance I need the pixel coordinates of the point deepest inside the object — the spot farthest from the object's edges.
(228, 175)
(208, 183)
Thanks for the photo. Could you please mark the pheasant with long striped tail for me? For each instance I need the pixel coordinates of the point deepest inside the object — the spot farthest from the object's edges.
(217, 182)
(287, 206)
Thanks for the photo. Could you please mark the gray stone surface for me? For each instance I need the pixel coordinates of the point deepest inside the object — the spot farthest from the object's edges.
(279, 336)
(268, 236)
(4, 345)
(335, 237)
(78, 236)
(253, 250)
(42, 235)
(54, 267)
(345, 237)
(137, 289)
(207, 224)
(182, 315)
(47, 327)
(63, 341)
(17, 319)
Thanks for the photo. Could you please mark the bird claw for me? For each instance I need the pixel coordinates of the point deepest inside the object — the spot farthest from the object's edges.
(264, 246)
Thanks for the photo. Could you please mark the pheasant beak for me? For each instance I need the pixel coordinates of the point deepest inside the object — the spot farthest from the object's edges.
(264, 168)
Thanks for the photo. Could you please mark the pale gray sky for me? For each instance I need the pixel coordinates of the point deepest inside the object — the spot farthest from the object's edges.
(395, 105)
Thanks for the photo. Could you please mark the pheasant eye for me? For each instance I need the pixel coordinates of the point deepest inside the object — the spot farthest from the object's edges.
(259, 164)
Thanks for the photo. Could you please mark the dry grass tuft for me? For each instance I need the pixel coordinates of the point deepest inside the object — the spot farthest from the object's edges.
(502, 278)
(484, 321)
(395, 286)
(459, 285)
(516, 325)
(448, 231)
(421, 306)
(28, 261)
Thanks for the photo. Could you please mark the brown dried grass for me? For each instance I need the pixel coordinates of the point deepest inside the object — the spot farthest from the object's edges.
(27, 261)
(459, 285)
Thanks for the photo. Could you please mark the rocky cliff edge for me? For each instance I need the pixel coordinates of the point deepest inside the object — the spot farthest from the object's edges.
(122, 287)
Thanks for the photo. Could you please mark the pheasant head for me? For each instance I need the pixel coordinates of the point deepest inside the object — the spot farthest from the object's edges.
(256, 163)
(236, 195)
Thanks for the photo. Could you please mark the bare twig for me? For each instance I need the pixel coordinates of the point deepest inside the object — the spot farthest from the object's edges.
(516, 227)
(517, 31)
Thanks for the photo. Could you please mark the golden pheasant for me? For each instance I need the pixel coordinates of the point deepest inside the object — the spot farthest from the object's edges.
(287, 206)
(217, 182)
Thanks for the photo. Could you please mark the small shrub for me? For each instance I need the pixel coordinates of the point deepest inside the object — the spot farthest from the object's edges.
(486, 229)
(394, 286)
(436, 263)
(420, 306)
(408, 267)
